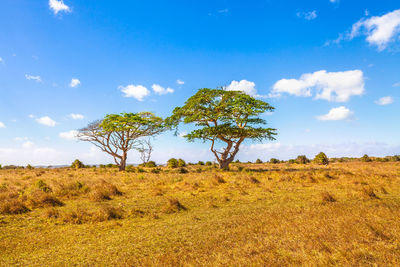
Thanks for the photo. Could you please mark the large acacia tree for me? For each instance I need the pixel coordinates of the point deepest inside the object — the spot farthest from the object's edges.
(227, 117)
(116, 134)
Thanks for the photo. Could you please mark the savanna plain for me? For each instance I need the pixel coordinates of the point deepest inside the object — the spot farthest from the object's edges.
(342, 214)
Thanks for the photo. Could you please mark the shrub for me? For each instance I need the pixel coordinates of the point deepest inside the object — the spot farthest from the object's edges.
(209, 163)
(237, 161)
(130, 168)
(302, 159)
(29, 167)
(181, 163)
(156, 170)
(40, 199)
(183, 170)
(43, 186)
(274, 161)
(321, 158)
(103, 191)
(151, 164)
(328, 198)
(77, 164)
(366, 158)
(173, 206)
(291, 161)
(172, 163)
(259, 161)
(200, 163)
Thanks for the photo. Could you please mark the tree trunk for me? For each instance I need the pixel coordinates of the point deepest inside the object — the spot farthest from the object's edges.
(224, 164)
(122, 164)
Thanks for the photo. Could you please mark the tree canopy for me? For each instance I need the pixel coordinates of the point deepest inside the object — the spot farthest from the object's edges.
(224, 116)
(116, 134)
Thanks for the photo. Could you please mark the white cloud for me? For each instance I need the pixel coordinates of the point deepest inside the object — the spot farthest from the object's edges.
(70, 135)
(244, 86)
(76, 116)
(58, 6)
(336, 114)
(310, 15)
(396, 84)
(31, 116)
(74, 83)
(161, 90)
(334, 1)
(47, 121)
(28, 144)
(385, 100)
(180, 82)
(1, 60)
(2, 125)
(34, 78)
(380, 31)
(331, 86)
(18, 139)
(136, 91)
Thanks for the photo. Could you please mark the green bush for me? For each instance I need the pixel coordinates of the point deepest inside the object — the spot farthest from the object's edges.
(259, 161)
(200, 163)
(181, 163)
(183, 170)
(291, 161)
(209, 163)
(274, 161)
(302, 159)
(172, 163)
(77, 164)
(130, 168)
(321, 158)
(366, 158)
(151, 164)
(29, 167)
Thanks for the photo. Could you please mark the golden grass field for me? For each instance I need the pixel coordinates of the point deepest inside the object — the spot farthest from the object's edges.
(344, 214)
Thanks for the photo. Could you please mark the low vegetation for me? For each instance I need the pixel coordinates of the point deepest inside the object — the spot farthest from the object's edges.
(274, 214)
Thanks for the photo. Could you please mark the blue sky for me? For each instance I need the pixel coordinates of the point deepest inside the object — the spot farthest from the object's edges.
(330, 68)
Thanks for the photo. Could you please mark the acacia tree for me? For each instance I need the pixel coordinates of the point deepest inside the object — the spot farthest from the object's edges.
(223, 116)
(116, 134)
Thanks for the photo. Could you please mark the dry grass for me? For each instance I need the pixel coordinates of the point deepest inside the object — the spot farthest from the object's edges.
(345, 214)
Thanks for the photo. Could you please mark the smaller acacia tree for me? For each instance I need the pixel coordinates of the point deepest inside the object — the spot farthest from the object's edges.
(223, 116)
(321, 158)
(116, 134)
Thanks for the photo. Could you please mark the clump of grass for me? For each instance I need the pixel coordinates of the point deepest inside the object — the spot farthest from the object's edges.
(43, 186)
(370, 192)
(12, 206)
(72, 189)
(104, 191)
(51, 213)
(182, 170)
(101, 214)
(219, 180)
(253, 180)
(40, 199)
(328, 198)
(173, 206)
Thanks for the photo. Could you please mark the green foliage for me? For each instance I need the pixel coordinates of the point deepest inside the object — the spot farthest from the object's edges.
(259, 161)
(223, 116)
(77, 164)
(302, 159)
(291, 161)
(43, 186)
(151, 164)
(209, 163)
(183, 170)
(29, 167)
(181, 163)
(321, 158)
(200, 163)
(172, 163)
(274, 161)
(366, 158)
(130, 168)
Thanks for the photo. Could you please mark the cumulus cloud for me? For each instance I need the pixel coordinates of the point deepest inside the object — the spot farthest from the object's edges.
(58, 6)
(2, 125)
(76, 116)
(310, 15)
(28, 144)
(180, 82)
(136, 91)
(386, 100)
(331, 86)
(74, 83)
(244, 86)
(47, 121)
(379, 30)
(161, 90)
(70, 135)
(34, 78)
(337, 114)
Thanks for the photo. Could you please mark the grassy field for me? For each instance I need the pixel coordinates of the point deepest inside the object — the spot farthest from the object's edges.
(261, 215)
